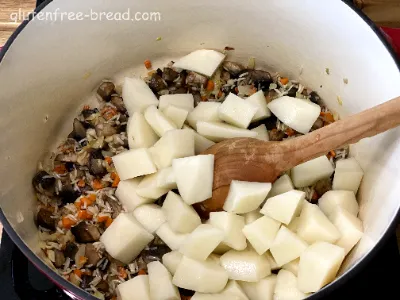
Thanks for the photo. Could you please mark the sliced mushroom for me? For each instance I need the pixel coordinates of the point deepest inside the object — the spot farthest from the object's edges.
(96, 166)
(44, 183)
(79, 130)
(105, 90)
(86, 233)
(45, 220)
(276, 135)
(196, 80)
(115, 206)
(322, 186)
(197, 98)
(314, 97)
(292, 92)
(259, 78)
(92, 255)
(154, 253)
(70, 250)
(118, 102)
(86, 280)
(271, 95)
(169, 75)
(233, 68)
(225, 76)
(79, 254)
(69, 157)
(103, 286)
(181, 80)
(105, 129)
(175, 90)
(318, 124)
(88, 112)
(59, 258)
(68, 194)
(157, 83)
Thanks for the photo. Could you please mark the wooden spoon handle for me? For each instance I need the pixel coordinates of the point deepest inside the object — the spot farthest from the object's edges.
(347, 131)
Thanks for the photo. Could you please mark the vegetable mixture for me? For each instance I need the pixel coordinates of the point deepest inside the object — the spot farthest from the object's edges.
(86, 189)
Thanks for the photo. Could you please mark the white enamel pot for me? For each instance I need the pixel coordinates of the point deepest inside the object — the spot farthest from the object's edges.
(49, 66)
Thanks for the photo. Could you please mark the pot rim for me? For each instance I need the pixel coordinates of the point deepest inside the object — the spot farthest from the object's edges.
(81, 294)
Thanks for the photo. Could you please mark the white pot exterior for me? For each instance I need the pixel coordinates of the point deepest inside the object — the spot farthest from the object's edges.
(53, 65)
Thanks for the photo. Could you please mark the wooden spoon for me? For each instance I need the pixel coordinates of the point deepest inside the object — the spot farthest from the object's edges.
(249, 159)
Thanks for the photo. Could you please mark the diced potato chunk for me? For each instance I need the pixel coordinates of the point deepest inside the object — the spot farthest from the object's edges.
(139, 132)
(348, 175)
(174, 144)
(282, 185)
(250, 217)
(244, 197)
(148, 187)
(158, 121)
(318, 266)
(133, 163)
(284, 207)
(182, 218)
(234, 291)
(232, 225)
(261, 290)
(202, 61)
(294, 224)
(173, 239)
(137, 95)
(200, 142)
(161, 287)
(296, 113)
(150, 216)
(350, 227)
(125, 238)
(258, 99)
(271, 260)
(237, 111)
(287, 246)
(245, 265)
(286, 287)
(217, 132)
(262, 132)
(137, 288)
(185, 101)
(202, 242)
(200, 276)
(194, 177)
(171, 260)
(261, 233)
(126, 194)
(204, 111)
(166, 179)
(221, 249)
(332, 199)
(292, 266)
(314, 226)
(176, 114)
(311, 171)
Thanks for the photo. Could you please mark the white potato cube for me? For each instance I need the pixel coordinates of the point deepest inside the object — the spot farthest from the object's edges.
(311, 171)
(204, 111)
(318, 266)
(271, 260)
(200, 276)
(176, 114)
(158, 121)
(194, 177)
(244, 197)
(160, 280)
(296, 113)
(294, 224)
(261, 233)
(166, 179)
(258, 99)
(139, 132)
(133, 163)
(182, 218)
(126, 194)
(237, 111)
(148, 187)
(202, 61)
(217, 132)
(250, 217)
(150, 216)
(287, 246)
(200, 142)
(203, 296)
(245, 265)
(292, 266)
(284, 207)
(137, 95)
(171, 260)
(234, 291)
(282, 185)
(185, 101)
(222, 249)
(348, 175)
(262, 132)
(232, 225)
(174, 144)
(125, 238)
(350, 227)
(333, 199)
(137, 288)
(286, 287)
(174, 240)
(202, 242)
(314, 226)
(261, 290)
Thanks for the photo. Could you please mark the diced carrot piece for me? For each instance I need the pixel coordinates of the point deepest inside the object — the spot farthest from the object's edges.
(147, 64)
(97, 185)
(327, 116)
(102, 219)
(109, 221)
(219, 94)
(92, 197)
(81, 183)
(332, 153)
(204, 98)
(83, 260)
(108, 112)
(78, 273)
(315, 196)
(108, 160)
(290, 132)
(210, 85)
(116, 179)
(142, 272)
(87, 272)
(284, 80)
(84, 215)
(78, 204)
(122, 273)
(236, 89)
(88, 200)
(60, 169)
(85, 107)
(67, 222)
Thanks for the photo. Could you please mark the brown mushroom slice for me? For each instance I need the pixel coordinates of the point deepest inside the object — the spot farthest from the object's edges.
(322, 186)
(45, 220)
(196, 80)
(118, 102)
(169, 75)
(86, 233)
(79, 130)
(92, 255)
(233, 68)
(157, 83)
(44, 183)
(70, 250)
(59, 258)
(105, 90)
